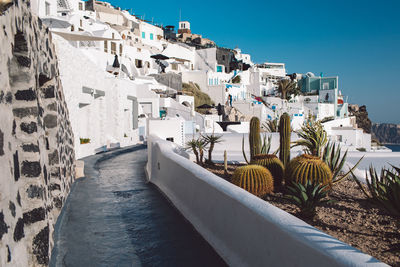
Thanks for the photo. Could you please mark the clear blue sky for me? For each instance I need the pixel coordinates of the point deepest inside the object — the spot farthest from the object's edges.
(359, 41)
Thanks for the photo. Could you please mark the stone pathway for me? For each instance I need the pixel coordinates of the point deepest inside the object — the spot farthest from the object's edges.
(113, 217)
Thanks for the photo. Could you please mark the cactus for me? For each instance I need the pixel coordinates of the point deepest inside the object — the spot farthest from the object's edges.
(273, 164)
(254, 179)
(254, 137)
(225, 163)
(284, 138)
(308, 168)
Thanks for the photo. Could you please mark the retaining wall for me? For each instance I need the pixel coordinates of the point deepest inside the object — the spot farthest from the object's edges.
(36, 140)
(243, 229)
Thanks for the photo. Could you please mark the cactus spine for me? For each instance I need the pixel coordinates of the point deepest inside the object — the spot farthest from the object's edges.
(254, 137)
(225, 163)
(308, 168)
(284, 138)
(273, 164)
(254, 179)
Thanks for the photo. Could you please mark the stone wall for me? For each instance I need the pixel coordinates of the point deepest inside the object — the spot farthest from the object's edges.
(36, 141)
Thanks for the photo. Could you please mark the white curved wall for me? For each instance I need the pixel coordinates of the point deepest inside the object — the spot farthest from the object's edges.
(243, 229)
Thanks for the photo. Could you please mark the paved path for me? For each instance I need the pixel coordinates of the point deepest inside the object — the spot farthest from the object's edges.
(114, 218)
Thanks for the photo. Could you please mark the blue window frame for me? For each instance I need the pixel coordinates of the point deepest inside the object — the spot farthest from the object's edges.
(151, 36)
(143, 35)
(219, 68)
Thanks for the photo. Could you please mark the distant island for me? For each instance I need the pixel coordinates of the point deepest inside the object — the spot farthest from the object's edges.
(386, 133)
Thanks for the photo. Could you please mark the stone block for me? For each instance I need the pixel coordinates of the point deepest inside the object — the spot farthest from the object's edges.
(1, 143)
(53, 158)
(30, 148)
(27, 95)
(11, 206)
(19, 230)
(25, 112)
(48, 92)
(24, 61)
(40, 246)
(28, 128)
(50, 121)
(35, 215)
(16, 166)
(31, 168)
(35, 191)
(3, 226)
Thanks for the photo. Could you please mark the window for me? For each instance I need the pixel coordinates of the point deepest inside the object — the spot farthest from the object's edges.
(112, 35)
(47, 8)
(105, 46)
(113, 48)
(120, 50)
(143, 35)
(80, 23)
(151, 36)
(325, 86)
(174, 66)
(138, 63)
(219, 68)
(223, 57)
(80, 6)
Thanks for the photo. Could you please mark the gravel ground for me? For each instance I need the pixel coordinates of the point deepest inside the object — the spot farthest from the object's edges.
(350, 218)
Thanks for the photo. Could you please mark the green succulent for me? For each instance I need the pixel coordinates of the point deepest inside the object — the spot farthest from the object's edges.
(313, 138)
(383, 190)
(307, 197)
(254, 179)
(305, 168)
(333, 158)
(273, 164)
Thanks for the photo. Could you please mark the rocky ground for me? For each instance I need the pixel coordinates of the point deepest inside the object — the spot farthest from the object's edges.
(350, 218)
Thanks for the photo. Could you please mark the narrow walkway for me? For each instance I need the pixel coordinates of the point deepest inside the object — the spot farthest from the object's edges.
(113, 217)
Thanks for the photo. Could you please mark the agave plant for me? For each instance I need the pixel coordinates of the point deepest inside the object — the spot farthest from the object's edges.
(265, 148)
(313, 138)
(383, 190)
(307, 197)
(333, 158)
(211, 140)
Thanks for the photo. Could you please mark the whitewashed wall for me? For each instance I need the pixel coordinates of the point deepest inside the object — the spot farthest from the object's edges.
(105, 116)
